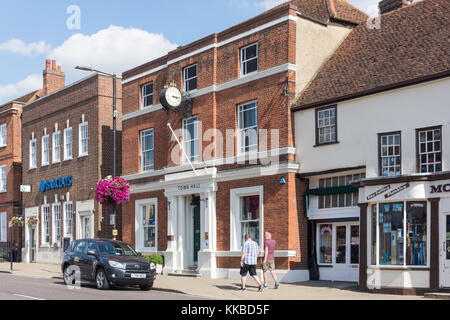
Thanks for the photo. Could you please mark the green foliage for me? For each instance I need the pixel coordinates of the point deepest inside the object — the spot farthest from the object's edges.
(155, 258)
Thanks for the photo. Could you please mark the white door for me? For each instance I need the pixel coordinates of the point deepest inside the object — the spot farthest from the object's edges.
(445, 251)
(346, 252)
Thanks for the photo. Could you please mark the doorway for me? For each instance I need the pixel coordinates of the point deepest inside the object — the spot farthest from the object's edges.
(32, 244)
(445, 251)
(196, 233)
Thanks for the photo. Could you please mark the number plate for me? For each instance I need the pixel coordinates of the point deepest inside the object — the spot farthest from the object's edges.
(138, 276)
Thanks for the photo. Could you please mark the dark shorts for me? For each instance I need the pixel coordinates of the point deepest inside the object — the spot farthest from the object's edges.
(248, 268)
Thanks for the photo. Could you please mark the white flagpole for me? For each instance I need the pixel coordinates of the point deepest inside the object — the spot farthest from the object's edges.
(182, 149)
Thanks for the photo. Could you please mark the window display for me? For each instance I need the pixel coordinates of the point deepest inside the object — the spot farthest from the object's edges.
(341, 239)
(325, 244)
(390, 228)
(354, 244)
(416, 233)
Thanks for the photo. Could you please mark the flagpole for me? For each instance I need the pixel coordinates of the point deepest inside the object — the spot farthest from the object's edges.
(182, 149)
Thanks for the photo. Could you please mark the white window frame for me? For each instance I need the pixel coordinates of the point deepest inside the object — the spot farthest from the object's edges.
(187, 142)
(3, 135)
(427, 152)
(44, 208)
(3, 227)
(242, 131)
(141, 156)
(139, 228)
(56, 147)
(33, 155)
(45, 151)
(186, 79)
(391, 137)
(65, 217)
(54, 228)
(148, 95)
(3, 178)
(235, 216)
(245, 61)
(330, 127)
(66, 153)
(80, 140)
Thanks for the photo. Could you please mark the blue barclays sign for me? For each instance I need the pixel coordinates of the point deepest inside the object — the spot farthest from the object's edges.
(57, 183)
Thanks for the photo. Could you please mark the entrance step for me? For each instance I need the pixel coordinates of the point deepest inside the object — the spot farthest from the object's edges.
(438, 295)
(186, 273)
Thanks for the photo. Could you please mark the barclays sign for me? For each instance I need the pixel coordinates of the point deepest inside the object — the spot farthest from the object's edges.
(57, 183)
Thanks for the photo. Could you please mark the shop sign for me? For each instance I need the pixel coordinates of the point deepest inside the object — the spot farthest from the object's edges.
(188, 187)
(440, 188)
(396, 190)
(57, 183)
(378, 192)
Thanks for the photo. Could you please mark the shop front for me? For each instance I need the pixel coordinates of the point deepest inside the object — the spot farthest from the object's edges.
(406, 225)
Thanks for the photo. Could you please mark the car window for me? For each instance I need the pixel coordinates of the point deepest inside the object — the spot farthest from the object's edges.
(115, 249)
(91, 246)
(72, 245)
(80, 247)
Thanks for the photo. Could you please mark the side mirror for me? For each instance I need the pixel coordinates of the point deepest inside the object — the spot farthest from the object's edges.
(139, 254)
(92, 253)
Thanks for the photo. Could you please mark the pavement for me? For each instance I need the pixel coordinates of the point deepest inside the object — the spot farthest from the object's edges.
(229, 289)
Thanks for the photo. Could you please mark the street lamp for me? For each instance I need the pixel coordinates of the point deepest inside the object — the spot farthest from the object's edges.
(90, 69)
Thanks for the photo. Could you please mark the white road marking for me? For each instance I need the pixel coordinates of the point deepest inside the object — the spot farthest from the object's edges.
(28, 297)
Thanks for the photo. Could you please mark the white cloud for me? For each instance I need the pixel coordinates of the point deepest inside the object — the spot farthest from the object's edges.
(115, 49)
(26, 49)
(16, 90)
(269, 4)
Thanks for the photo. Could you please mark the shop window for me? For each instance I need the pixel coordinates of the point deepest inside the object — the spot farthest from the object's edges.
(416, 233)
(3, 135)
(325, 243)
(147, 95)
(57, 223)
(147, 150)
(68, 219)
(3, 178)
(56, 147)
(354, 244)
(341, 244)
(68, 143)
(250, 218)
(390, 228)
(45, 224)
(190, 78)
(390, 154)
(340, 200)
(190, 138)
(429, 150)
(33, 161)
(248, 127)
(374, 233)
(326, 125)
(249, 59)
(45, 150)
(3, 227)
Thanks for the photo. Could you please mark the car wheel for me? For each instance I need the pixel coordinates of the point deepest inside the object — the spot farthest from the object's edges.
(146, 287)
(66, 276)
(101, 280)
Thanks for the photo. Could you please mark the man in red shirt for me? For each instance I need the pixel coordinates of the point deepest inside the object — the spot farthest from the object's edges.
(269, 259)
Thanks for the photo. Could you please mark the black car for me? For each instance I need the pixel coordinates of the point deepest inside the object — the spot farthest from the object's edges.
(108, 263)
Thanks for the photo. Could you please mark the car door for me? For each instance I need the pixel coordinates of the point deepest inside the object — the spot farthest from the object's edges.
(88, 262)
(79, 251)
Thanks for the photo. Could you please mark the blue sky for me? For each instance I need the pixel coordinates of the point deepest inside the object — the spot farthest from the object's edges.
(113, 36)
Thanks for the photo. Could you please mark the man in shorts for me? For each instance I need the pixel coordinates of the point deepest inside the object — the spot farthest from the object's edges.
(269, 259)
(249, 259)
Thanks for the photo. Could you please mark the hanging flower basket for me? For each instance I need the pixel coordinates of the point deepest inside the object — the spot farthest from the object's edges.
(32, 221)
(17, 221)
(112, 191)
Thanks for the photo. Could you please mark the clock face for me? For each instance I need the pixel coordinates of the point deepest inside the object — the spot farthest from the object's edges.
(173, 97)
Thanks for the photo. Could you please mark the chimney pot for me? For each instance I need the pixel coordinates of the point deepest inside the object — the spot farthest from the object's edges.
(59, 68)
(53, 64)
(47, 64)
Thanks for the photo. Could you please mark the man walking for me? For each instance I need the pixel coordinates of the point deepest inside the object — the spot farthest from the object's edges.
(248, 262)
(269, 259)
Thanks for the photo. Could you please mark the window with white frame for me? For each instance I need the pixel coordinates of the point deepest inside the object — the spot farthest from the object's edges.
(68, 143)
(56, 223)
(248, 127)
(147, 150)
(339, 200)
(33, 147)
(56, 147)
(326, 125)
(3, 227)
(190, 78)
(400, 233)
(147, 94)
(45, 227)
(45, 150)
(390, 158)
(148, 212)
(249, 218)
(83, 139)
(249, 59)
(3, 135)
(68, 220)
(190, 139)
(3, 178)
(429, 150)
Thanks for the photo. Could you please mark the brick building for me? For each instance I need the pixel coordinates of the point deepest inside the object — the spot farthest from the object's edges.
(241, 80)
(66, 148)
(11, 167)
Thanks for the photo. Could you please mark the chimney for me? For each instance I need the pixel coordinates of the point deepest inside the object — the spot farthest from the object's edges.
(391, 5)
(53, 77)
